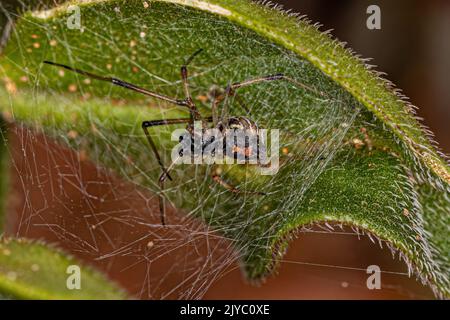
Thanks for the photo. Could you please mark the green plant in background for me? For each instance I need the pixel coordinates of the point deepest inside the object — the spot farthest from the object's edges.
(355, 155)
(33, 270)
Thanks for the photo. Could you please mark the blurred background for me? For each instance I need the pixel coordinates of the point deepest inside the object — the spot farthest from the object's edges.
(412, 47)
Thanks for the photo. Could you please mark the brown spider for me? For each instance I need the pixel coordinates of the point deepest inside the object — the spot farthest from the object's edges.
(222, 124)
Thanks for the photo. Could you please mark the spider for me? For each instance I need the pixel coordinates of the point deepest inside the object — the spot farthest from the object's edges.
(222, 123)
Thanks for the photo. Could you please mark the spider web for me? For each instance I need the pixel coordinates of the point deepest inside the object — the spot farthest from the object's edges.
(111, 218)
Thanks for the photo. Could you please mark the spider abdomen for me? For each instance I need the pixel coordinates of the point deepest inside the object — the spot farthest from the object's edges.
(241, 137)
(237, 139)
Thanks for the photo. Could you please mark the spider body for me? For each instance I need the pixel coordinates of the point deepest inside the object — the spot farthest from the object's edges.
(247, 149)
(226, 125)
(238, 139)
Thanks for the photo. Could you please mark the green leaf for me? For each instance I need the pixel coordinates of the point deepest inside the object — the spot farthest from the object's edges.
(33, 270)
(352, 151)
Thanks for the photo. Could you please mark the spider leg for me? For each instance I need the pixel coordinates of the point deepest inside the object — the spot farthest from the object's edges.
(162, 199)
(231, 91)
(165, 172)
(123, 84)
(219, 98)
(195, 114)
(164, 122)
